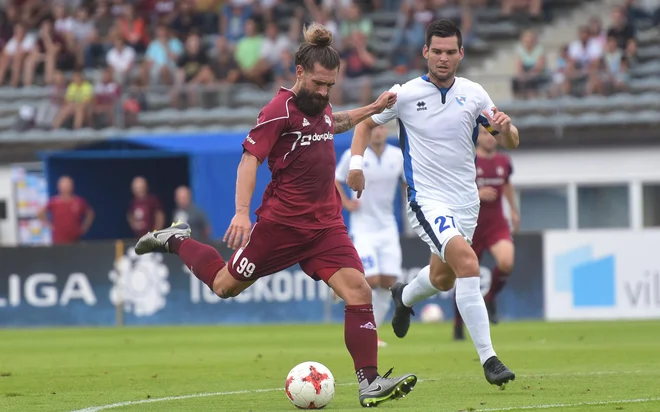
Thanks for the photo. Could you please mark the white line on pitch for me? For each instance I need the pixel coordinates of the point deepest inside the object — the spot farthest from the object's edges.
(569, 405)
(243, 392)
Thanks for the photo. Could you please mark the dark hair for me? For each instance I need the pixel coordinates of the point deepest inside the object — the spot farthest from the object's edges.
(316, 49)
(444, 29)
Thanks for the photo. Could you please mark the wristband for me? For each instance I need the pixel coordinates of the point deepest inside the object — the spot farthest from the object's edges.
(355, 163)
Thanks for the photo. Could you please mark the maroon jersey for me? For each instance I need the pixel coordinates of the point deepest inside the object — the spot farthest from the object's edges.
(144, 213)
(301, 157)
(494, 172)
(67, 215)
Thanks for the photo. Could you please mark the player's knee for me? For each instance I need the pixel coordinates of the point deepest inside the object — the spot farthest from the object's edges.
(505, 265)
(443, 281)
(461, 258)
(351, 286)
(226, 293)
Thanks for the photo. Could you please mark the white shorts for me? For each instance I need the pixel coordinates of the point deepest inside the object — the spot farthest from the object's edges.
(435, 223)
(380, 252)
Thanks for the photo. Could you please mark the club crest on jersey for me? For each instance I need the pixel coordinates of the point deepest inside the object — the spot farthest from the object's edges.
(499, 170)
(327, 120)
(460, 100)
(305, 122)
(421, 105)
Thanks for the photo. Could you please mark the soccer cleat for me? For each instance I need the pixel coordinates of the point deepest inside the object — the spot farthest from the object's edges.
(401, 318)
(381, 343)
(384, 388)
(156, 241)
(492, 311)
(496, 373)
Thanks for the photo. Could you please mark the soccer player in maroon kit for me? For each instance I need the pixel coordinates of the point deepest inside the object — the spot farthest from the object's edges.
(299, 220)
(493, 232)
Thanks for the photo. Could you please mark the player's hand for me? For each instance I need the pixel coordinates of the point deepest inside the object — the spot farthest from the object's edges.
(499, 120)
(238, 232)
(385, 101)
(487, 193)
(515, 221)
(351, 205)
(355, 181)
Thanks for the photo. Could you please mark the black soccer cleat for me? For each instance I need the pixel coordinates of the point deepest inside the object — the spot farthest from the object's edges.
(496, 372)
(401, 318)
(491, 307)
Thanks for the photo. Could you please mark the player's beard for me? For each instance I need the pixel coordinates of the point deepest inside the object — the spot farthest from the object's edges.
(312, 104)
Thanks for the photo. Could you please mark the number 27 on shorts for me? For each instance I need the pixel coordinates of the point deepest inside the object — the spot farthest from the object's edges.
(445, 222)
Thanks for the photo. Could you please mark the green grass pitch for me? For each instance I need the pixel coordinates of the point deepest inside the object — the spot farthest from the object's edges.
(603, 366)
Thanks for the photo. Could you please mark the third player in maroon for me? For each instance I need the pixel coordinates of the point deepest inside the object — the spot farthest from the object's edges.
(493, 231)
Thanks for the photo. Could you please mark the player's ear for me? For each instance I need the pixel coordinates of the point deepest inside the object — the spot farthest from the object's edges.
(425, 52)
(461, 52)
(299, 72)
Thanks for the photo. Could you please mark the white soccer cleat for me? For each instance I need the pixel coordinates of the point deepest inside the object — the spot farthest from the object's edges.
(156, 241)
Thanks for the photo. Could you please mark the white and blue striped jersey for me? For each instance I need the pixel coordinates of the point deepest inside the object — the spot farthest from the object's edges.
(438, 130)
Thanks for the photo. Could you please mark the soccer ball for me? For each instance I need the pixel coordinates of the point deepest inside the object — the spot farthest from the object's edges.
(310, 385)
(432, 313)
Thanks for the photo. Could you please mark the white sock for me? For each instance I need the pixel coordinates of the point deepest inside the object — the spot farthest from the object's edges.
(420, 288)
(471, 305)
(382, 299)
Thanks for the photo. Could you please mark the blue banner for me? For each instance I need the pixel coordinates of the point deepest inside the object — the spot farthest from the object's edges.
(84, 284)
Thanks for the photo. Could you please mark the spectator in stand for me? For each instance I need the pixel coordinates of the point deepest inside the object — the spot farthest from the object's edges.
(145, 212)
(164, 11)
(273, 44)
(248, 52)
(596, 32)
(186, 21)
(285, 71)
(82, 34)
(14, 53)
(160, 60)
(621, 28)
(209, 13)
(637, 10)
(530, 66)
(234, 18)
(194, 70)
(117, 8)
(6, 29)
(121, 58)
(613, 74)
(410, 34)
(107, 93)
(585, 50)
(135, 102)
(63, 20)
(133, 29)
(225, 68)
(48, 109)
(357, 64)
(77, 101)
(323, 15)
(50, 50)
(354, 21)
(534, 8)
(188, 212)
(100, 41)
(68, 215)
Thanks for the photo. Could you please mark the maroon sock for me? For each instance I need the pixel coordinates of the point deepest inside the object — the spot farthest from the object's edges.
(458, 319)
(497, 283)
(202, 260)
(362, 340)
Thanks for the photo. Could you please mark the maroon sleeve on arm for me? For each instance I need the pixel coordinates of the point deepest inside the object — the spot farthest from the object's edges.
(271, 123)
(509, 169)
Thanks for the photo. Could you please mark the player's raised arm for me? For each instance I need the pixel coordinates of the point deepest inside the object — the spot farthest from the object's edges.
(345, 120)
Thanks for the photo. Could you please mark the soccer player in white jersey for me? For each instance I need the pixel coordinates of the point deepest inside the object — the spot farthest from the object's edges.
(373, 226)
(438, 116)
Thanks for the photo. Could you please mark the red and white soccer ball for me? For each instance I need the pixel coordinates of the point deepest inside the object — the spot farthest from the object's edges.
(310, 385)
(431, 313)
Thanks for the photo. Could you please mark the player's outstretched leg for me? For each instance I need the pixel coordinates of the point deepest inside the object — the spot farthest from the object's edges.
(204, 261)
(361, 340)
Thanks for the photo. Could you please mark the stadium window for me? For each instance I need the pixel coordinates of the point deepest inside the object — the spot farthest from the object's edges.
(543, 208)
(603, 207)
(651, 204)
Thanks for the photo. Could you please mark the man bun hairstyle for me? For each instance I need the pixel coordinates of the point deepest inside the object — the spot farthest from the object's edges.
(443, 29)
(316, 49)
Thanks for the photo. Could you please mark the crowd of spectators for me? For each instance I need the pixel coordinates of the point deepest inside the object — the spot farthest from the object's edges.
(597, 62)
(99, 57)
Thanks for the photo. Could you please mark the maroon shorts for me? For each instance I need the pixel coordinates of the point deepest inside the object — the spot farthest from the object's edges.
(274, 247)
(489, 233)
